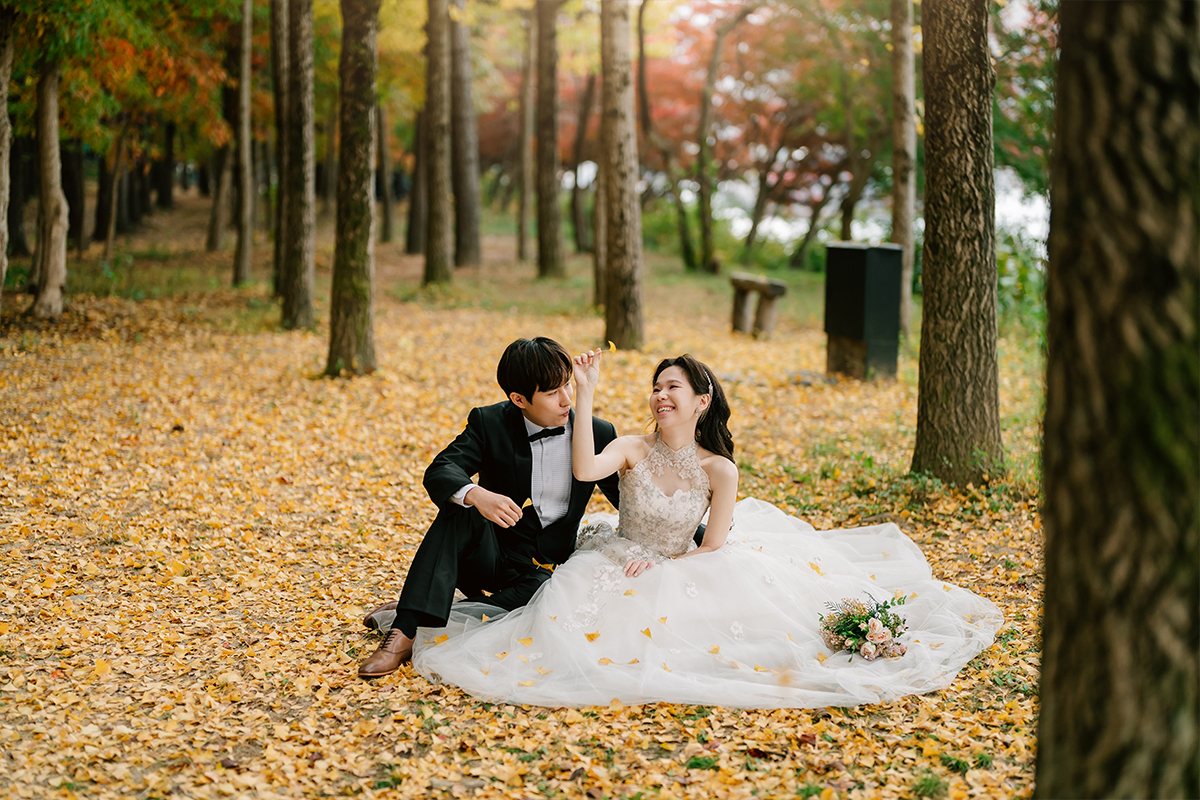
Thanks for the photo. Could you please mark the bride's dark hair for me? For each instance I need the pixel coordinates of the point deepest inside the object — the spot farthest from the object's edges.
(712, 429)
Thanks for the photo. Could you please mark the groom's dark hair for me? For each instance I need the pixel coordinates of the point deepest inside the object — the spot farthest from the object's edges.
(532, 365)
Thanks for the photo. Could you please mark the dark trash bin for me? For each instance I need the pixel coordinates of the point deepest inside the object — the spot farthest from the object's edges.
(862, 309)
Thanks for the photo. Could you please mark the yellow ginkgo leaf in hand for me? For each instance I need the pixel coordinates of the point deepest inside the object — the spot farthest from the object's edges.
(612, 348)
(528, 502)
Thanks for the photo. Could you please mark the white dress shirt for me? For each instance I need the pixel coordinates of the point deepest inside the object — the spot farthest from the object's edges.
(550, 478)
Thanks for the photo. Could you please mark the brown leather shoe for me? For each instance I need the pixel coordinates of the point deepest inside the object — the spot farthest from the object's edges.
(370, 621)
(395, 650)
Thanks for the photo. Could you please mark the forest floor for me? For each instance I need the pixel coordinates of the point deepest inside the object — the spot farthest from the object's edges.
(194, 523)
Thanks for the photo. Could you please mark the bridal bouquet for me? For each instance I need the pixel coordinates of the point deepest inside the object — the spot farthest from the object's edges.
(869, 629)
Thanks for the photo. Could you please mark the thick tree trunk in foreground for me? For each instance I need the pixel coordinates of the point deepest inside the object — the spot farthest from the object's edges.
(1121, 637)
(279, 74)
(904, 152)
(7, 19)
(438, 264)
(418, 196)
(245, 222)
(351, 314)
(388, 229)
(525, 213)
(958, 396)
(465, 148)
(623, 317)
(298, 276)
(549, 220)
(579, 220)
(51, 268)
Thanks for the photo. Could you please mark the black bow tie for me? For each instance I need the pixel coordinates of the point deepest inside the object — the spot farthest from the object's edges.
(544, 432)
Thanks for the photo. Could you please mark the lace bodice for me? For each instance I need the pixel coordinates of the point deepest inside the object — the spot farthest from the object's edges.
(655, 525)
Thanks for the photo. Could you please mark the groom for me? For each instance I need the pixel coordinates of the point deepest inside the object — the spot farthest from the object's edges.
(501, 537)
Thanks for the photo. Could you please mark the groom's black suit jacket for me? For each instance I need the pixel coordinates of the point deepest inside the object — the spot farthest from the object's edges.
(495, 445)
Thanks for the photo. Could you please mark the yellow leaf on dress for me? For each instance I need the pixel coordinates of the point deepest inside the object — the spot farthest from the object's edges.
(715, 649)
(822, 658)
(663, 620)
(604, 661)
(544, 671)
(526, 641)
(939, 644)
(501, 656)
(485, 671)
(633, 661)
(790, 639)
(525, 683)
(441, 639)
(815, 568)
(646, 633)
(616, 704)
(758, 668)
(630, 592)
(486, 617)
(591, 637)
(872, 577)
(668, 669)
(523, 658)
(555, 617)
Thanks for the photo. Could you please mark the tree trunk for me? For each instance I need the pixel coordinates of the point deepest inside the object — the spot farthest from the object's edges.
(958, 401)
(1121, 455)
(438, 245)
(760, 207)
(279, 70)
(298, 275)
(145, 194)
(52, 231)
(245, 226)
(465, 144)
(549, 220)
(72, 183)
(708, 258)
(815, 224)
(104, 187)
(385, 168)
(623, 317)
(165, 173)
(600, 231)
(904, 152)
(8, 17)
(118, 167)
(329, 169)
(418, 196)
(124, 225)
(218, 212)
(525, 213)
(583, 242)
(18, 171)
(351, 323)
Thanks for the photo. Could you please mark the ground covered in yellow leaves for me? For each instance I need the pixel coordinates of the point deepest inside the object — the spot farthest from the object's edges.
(193, 524)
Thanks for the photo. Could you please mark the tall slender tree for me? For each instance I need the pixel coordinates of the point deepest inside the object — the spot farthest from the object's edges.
(299, 267)
(958, 394)
(418, 196)
(351, 321)
(579, 220)
(51, 256)
(526, 160)
(549, 217)
(1120, 684)
(8, 18)
(623, 316)
(245, 172)
(388, 228)
(279, 70)
(464, 130)
(904, 152)
(438, 247)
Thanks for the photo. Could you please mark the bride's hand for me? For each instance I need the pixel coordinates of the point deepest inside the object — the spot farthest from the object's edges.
(637, 566)
(586, 369)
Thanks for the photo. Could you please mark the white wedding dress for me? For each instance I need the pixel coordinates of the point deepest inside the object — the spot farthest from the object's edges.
(739, 627)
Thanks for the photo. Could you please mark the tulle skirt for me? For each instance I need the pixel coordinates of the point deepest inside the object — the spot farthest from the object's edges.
(739, 627)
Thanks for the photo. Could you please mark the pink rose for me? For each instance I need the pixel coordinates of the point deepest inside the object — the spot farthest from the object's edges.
(867, 651)
(877, 632)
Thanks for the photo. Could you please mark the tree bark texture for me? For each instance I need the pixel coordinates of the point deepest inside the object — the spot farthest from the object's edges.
(51, 268)
(904, 152)
(19, 173)
(245, 223)
(8, 17)
(549, 219)
(112, 189)
(958, 400)
(1120, 705)
(351, 312)
(600, 243)
(418, 196)
(218, 213)
(330, 167)
(298, 275)
(438, 243)
(528, 71)
(579, 217)
(388, 229)
(72, 182)
(623, 316)
(465, 147)
(279, 73)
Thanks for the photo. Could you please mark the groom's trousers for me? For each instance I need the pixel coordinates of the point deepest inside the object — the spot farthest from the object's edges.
(462, 550)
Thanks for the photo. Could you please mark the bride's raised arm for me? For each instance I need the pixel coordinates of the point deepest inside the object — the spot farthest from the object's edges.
(585, 463)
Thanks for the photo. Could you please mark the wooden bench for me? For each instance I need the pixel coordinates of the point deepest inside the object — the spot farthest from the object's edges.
(769, 290)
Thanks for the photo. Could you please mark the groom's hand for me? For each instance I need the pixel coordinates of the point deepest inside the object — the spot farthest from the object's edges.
(498, 508)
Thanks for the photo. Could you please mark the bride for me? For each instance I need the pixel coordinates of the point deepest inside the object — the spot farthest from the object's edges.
(641, 613)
